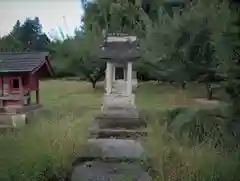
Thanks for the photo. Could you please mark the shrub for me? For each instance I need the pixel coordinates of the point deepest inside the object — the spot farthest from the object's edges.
(196, 125)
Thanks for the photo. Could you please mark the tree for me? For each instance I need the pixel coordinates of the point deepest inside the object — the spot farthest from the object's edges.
(226, 39)
(10, 44)
(81, 56)
(30, 34)
(93, 17)
(181, 42)
(86, 60)
(112, 16)
(16, 31)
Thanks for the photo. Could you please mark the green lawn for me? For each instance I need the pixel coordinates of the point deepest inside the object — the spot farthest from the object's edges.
(58, 132)
(163, 96)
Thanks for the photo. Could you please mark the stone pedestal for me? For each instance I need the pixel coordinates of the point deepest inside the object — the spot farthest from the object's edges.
(116, 100)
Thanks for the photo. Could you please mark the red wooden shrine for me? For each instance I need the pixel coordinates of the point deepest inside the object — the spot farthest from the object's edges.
(19, 79)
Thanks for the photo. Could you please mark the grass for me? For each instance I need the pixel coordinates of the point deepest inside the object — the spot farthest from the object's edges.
(164, 96)
(174, 161)
(46, 148)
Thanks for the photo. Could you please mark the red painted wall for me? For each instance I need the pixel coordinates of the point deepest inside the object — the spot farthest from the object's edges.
(34, 82)
(30, 82)
(26, 82)
(12, 102)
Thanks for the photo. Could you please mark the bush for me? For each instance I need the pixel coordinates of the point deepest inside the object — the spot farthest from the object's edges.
(197, 125)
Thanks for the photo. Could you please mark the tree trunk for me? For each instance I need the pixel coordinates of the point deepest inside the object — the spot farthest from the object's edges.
(209, 91)
(183, 85)
(94, 85)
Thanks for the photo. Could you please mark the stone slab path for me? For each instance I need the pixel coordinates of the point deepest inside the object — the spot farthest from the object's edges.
(114, 150)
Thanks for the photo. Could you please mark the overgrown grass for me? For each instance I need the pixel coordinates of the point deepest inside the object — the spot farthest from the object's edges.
(174, 161)
(45, 149)
(181, 157)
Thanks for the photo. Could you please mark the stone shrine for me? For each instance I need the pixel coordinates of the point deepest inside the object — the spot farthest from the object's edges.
(120, 51)
(114, 151)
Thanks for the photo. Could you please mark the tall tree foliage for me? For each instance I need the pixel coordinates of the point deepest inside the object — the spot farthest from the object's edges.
(226, 39)
(111, 15)
(10, 44)
(183, 41)
(30, 34)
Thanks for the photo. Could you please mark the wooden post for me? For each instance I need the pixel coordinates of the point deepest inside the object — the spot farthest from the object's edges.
(29, 88)
(37, 92)
(1, 101)
(37, 97)
(21, 88)
(1, 85)
(114, 73)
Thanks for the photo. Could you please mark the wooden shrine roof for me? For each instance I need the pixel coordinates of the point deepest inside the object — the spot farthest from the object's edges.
(22, 61)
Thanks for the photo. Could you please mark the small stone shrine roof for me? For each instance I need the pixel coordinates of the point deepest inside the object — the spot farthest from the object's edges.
(120, 47)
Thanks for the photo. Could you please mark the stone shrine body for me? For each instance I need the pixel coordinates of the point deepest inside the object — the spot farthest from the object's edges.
(120, 51)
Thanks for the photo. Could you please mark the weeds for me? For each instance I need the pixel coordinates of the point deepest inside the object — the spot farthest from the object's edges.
(45, 149)
(175, 159)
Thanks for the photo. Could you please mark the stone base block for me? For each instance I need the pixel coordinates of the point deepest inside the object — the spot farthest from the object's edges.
(120, 101)
(19, 120)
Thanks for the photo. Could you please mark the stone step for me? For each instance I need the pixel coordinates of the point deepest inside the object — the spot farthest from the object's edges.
(82, 159)
(118, 122)
(115, 149)
(119, 114)
(105, 171)
(120, 108)
(111, 159)
(118, 133)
